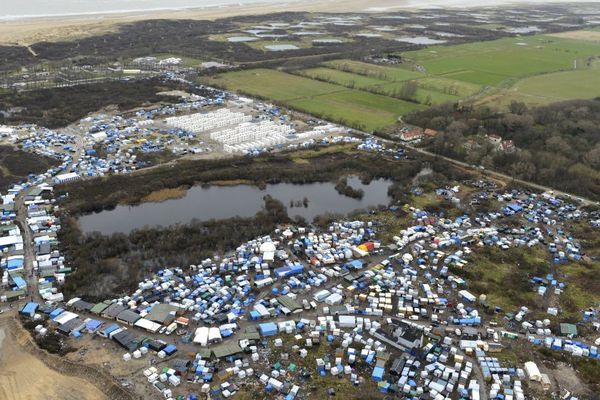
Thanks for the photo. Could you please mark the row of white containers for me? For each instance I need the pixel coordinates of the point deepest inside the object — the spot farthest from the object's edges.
(202, 122)
(247, 131)
(248, 136)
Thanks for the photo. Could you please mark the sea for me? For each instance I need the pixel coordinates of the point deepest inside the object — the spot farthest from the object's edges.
(24, 9)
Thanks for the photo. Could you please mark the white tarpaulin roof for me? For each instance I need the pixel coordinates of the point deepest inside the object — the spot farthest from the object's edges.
(65, 317)
(147, 325)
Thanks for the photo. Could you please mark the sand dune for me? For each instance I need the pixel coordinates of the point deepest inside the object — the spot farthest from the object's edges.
(23, 376)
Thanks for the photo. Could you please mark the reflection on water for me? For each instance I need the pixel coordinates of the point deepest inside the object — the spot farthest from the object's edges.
(220, 202)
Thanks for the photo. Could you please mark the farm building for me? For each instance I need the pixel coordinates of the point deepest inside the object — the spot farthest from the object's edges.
(400, 335)
(412, 135)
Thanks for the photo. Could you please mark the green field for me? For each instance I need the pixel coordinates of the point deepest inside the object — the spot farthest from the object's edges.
(273, 85)
(579, 84)
(388, 81)
(334, 102)
(356, 107)
(347, 79)
(379, 72)
(492, 63)
(535, 69)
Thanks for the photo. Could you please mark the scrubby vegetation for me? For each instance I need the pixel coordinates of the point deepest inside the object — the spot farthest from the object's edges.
(59, 107)
(52, 341)
(343, 188)
(16, 164)
(119, 261)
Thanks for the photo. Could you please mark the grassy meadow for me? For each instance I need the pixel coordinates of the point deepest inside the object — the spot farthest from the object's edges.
(353, 107)
(537, 69)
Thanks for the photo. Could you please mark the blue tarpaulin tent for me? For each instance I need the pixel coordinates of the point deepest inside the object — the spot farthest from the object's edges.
(56, 313)
(267, 329)
(377, 374)
(14, 263)
(170, 349)
(20, 282)
(93, 325)
(29, 309)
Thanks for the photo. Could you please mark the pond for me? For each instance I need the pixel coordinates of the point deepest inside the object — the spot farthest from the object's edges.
(221, 202)
(420, 40)
(281, 47)
(241, 39)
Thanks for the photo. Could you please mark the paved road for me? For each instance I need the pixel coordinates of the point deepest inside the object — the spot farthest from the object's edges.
(500, 175)
(582, 200)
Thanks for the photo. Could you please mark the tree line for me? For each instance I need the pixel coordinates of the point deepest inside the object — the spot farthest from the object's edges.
(557, 145)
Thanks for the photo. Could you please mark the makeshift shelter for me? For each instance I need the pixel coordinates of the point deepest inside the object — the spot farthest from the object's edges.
(267, 329)
(29, 309)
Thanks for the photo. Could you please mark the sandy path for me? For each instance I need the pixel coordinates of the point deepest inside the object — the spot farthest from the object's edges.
(22, 376)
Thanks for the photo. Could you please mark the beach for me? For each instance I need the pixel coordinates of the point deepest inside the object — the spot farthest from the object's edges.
(26, 31)
(55, 28)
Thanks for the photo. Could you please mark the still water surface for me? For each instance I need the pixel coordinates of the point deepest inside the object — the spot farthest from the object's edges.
(220, 202)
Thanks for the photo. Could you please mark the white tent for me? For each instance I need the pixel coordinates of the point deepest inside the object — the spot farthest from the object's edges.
(334, 299)
(347, 321)
(201, 336)
(214, 335)
(65, 317)
(532, 371)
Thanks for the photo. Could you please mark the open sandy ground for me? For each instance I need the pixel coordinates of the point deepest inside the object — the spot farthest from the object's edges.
(25, 377)
(593, 36)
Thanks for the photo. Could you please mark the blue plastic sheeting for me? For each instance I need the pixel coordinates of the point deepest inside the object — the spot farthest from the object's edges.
(93, 325)
(356, 264)
(110, 329)
(14, 263)
(29, 309)
(20, 282)
(377, 374)
(170, 349)
(56, 313)
(267, 329)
